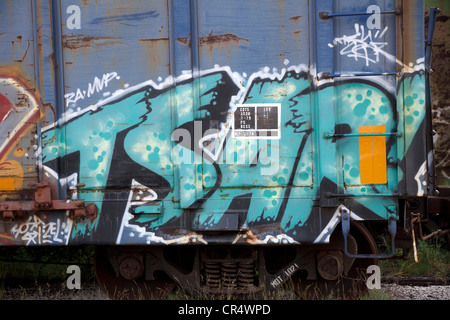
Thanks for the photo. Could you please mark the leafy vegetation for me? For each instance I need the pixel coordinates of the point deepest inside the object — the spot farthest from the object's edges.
(433, 260)
(43, 264)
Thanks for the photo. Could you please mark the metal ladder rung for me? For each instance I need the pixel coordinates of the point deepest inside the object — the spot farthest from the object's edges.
(327, 15)
(351, 195)
(327, 75)
(330, 135)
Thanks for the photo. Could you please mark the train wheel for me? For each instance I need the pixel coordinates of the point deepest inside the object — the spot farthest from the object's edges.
(337, 275)
(127, 282)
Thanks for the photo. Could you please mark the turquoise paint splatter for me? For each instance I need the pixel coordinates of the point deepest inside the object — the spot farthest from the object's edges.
(304, 175)
(354, 173)
(361, 108)
(268, 194)
(384, 110)
(409, 101)
(409, 119)
(93, 164)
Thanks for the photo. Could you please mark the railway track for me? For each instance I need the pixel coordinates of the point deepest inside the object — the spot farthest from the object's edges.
(417, 281)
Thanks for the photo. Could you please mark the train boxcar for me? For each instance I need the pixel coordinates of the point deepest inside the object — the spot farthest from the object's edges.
(221, 146)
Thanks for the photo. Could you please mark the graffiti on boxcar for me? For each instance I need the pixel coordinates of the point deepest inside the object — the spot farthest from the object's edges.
(122, 152)
(38, 231)
(115, 153)
(8, 239)
(97, 86)
(129, 172)
(368, 42)
(19, 113)
(364, 45)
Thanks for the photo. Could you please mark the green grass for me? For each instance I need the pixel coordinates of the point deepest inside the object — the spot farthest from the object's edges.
(433, 260)
(376, 294)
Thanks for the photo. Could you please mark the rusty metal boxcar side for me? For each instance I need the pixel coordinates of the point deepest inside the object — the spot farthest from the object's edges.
(199, 122)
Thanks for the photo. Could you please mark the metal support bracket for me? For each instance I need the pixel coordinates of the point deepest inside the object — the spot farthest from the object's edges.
(11, 210)
(392, 229)
(417, 221)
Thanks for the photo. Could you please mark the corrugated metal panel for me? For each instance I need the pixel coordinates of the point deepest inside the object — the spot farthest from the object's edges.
(20, 113)
(178, 117)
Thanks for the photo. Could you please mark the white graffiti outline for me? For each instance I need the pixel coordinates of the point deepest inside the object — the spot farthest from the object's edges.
(420, 179)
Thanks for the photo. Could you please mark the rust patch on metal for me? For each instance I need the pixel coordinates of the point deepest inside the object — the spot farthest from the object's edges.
(47, 121)
(295, 19)
(183, 40)
(221, 38)
(156, 51)
(83, 41)
(22, 101)
(18, 44)
(213, 42)
(212, 39)
(251, 238)
(154, 40)
(43, 201)
(91, 211)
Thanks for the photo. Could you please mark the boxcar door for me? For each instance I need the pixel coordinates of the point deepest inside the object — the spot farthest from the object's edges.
(361, 59)
(257, 155)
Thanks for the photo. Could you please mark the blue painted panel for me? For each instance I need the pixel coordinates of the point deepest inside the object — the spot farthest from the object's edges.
(181, 117)
(19, 95)
(17, 36)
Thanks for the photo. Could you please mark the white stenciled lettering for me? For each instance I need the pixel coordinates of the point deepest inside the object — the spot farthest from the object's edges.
(290, 271)
(276, 282)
